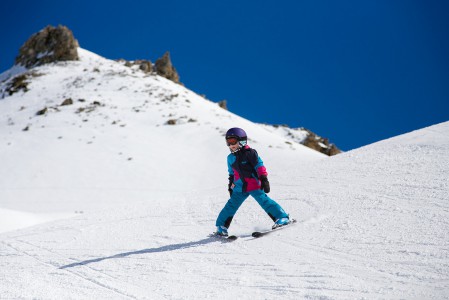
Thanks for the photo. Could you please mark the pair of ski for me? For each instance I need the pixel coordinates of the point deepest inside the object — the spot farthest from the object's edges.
(257, 234)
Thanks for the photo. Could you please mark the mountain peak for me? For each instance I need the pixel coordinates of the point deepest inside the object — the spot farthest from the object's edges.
(48, 45)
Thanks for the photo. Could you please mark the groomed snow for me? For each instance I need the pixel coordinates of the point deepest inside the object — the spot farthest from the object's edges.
(143, 196)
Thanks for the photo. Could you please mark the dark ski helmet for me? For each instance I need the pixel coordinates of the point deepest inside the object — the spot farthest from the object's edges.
(237, 133)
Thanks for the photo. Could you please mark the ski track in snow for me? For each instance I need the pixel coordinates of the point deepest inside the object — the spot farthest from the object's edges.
(372, 222)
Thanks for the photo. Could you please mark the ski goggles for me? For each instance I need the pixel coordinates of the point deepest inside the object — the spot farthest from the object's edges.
(231, 141)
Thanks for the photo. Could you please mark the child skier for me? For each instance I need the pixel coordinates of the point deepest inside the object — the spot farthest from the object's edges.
(247, 176)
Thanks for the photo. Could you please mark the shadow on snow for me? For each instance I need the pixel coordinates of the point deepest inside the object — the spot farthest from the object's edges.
(145, 251)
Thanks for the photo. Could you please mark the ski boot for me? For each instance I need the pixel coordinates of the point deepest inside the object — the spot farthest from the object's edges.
(281, 222)
(221, 231)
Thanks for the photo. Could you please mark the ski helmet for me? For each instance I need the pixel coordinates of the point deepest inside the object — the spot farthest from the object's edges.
(237, 133)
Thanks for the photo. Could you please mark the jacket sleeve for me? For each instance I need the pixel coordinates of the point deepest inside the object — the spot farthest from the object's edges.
(230, 170)
(257, 162)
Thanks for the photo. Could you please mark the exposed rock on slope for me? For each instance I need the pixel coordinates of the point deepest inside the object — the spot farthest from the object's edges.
(320, 144)
(164, 68)
(306, 137)
(48, 45)
(144, 65)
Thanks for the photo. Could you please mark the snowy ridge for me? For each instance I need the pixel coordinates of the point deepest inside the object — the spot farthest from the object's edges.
(305, 137)
(144, 195)
(296, 135)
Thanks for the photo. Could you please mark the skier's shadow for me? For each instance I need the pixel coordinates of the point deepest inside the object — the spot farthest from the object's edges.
(145, 251)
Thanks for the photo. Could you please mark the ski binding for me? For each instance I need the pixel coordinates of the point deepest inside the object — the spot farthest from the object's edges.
(229, 238)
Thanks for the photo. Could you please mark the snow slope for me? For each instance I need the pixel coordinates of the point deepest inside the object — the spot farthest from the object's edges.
(144, 195)
(113, 142)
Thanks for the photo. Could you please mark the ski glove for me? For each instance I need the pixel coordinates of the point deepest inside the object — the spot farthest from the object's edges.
(231, 182)
(264, 184)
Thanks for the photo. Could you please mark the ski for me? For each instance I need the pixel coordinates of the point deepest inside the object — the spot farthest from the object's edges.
(229, 238)
(232, 238)
(257, 234)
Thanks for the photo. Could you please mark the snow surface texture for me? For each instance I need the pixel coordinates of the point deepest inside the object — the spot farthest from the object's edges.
(133, 200)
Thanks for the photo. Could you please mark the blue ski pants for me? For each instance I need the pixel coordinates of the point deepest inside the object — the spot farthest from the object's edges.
(270, 206)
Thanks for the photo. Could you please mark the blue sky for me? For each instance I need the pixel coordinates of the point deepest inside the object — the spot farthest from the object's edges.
(354, 71)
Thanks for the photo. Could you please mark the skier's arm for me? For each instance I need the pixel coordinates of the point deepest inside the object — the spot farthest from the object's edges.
(261, 172)
(230, 170)
(230, 178)
(257, 162)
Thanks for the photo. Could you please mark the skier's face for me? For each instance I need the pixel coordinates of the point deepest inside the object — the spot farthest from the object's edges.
(234, 147)
(233, 143)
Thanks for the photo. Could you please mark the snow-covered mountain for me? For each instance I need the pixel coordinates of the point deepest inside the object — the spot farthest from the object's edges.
(116, 133)
(131, 172)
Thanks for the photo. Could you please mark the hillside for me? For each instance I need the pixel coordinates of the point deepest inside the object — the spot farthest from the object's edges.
(116, 133)
(372, 224)
(123, 184)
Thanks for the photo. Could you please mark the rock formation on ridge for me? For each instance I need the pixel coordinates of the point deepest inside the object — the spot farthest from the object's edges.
(48, 45)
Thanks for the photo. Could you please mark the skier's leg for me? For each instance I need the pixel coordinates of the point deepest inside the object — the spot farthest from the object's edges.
(271, 207)
(229, 210)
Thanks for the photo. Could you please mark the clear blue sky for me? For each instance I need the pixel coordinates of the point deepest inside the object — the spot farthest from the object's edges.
(353, 71)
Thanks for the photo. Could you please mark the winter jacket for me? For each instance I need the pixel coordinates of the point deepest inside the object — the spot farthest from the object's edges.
(245, 167)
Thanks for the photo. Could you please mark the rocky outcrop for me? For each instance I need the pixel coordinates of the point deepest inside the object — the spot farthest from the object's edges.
(165, 68)
(223, 104)
(305, 137)
(48, 45)
(144, 65)
(18, 83)
(66, 102)
(53, 44)
(320, 144)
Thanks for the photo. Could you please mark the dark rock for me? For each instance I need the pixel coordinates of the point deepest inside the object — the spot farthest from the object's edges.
(168, 98)
(42, 111)
(48, 45)
(67, 101)
(165, 68)
(223, 104)
(18, 83)
(320, 144)
(145, 65)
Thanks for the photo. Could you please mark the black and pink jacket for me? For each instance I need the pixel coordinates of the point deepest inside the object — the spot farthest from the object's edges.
(246, 167)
